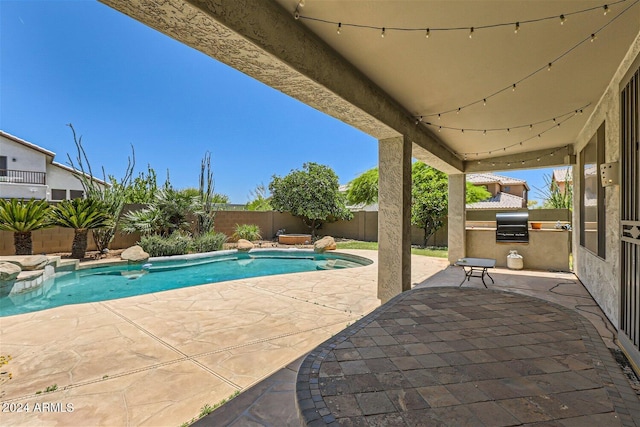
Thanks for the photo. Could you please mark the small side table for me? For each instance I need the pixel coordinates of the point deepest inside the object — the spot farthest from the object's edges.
(477, 267)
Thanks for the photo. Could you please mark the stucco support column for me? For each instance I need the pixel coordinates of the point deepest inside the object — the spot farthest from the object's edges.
(394, 217)
(457, 217)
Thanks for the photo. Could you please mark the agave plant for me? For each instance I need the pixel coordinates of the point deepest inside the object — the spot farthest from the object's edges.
(82, 215)
(23, 217)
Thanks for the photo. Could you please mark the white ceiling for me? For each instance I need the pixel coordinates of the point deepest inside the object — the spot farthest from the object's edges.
(449, 70)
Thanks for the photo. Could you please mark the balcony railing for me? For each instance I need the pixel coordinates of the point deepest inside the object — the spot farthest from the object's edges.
(22, 177)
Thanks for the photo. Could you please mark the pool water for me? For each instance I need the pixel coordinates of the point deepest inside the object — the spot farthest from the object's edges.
(160, 274)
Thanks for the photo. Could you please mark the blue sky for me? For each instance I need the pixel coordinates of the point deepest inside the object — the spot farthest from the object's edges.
(121, 83)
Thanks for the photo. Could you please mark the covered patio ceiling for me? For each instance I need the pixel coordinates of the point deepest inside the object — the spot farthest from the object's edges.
(383, 85)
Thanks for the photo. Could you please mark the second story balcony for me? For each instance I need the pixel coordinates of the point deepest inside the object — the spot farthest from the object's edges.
(22, 177)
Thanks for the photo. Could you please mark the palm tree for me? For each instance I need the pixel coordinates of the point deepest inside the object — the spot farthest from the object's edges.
(82, 215)
(23, 217)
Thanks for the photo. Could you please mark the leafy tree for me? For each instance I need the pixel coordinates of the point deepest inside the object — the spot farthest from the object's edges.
(311, 194)
(23, 217)
(141, 189)
(364, 189)
(82, 215)
(259, 200)
(429, 198)
(553, 196)
(429, 195)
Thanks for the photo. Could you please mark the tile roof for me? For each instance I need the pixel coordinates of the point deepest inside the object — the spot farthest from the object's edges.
(489, 178)
(499, 201)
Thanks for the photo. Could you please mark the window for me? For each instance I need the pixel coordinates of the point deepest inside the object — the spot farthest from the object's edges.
(76, 194)
(592, 212)
(3, 165)
(58, 194)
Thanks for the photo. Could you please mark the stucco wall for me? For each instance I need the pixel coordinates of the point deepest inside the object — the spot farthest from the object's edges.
(27, 159)
(59, 178)
(602, 276)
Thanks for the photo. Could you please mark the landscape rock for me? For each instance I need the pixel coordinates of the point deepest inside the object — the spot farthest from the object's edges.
(27, 262)
(134, 254)
(8, 271)
(244, 245)
(327, 243)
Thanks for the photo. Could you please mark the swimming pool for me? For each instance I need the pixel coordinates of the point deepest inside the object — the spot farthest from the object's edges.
(166, 273)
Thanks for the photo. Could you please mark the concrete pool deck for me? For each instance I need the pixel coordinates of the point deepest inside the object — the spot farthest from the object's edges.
(157, 359)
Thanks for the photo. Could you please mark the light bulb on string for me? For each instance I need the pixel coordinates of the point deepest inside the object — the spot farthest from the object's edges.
(593, 37)
(427, 33)
(383, 32)
(562, 19)
(538, 159)
(513, 88)
(606, 9)
(471, 33)
(549, 66)
(517, 28)
(339, 26)
(439, 116)
(458, 111)
(484, 102)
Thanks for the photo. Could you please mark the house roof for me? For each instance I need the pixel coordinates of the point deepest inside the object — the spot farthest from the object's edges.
(565, 174)
(491, 178)
(28, 144)
(499, 201)
(77, 172)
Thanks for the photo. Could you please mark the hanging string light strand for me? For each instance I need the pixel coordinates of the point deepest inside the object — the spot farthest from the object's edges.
(524, 160)
(605, 8)
(555, 120)
(521, 142)
(592, 36)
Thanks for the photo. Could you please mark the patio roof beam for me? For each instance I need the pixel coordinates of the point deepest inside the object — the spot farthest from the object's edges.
(264, 41)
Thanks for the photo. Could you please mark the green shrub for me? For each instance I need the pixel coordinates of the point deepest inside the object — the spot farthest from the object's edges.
(176, 244)
(209, 242)
(247, 232)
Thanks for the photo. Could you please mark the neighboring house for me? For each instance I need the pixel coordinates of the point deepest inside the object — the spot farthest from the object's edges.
(506, 192)
(28, 171)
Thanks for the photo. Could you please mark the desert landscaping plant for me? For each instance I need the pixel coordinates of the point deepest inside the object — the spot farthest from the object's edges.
(247, 231)
(22, 217)
(209, 242)
(175, 244)
(82, 215)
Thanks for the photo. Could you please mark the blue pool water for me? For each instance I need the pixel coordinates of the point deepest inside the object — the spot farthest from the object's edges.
(161, 274)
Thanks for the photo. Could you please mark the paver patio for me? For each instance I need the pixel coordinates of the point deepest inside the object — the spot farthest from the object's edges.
(157, 359)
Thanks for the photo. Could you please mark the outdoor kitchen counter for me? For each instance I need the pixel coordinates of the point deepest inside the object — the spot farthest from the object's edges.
(548, 248)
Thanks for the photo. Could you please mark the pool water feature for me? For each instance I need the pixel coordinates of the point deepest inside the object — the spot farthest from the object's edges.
(166, 273)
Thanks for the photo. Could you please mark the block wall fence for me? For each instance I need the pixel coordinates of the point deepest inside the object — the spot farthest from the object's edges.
(363, 226)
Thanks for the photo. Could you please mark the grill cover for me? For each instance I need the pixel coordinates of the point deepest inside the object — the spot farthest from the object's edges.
(512, 227)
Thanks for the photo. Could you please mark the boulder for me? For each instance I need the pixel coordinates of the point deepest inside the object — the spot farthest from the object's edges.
(8, 271)
(28, 262)
(244, 245)
(327, 243)
(134, 254)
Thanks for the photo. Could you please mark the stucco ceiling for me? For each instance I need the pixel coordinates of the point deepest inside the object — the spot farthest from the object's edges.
(449, 69)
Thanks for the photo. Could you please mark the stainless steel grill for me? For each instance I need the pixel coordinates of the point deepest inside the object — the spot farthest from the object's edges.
(512, 227)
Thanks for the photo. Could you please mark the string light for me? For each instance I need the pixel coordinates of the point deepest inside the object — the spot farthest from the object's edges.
(427, 33)
(549, 66)
(605, 8)
(535, 72)
(484, 102)
(525, 159)
(593, 37)
(521, 142)
(339, 26)
(471, 32)
(382, 33)
(564, 116)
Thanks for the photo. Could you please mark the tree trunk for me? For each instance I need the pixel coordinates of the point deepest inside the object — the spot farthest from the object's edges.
(79, 247)
(426, 237)
(23, 243)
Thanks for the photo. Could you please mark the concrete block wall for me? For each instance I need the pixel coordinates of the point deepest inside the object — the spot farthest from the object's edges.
(58, 239)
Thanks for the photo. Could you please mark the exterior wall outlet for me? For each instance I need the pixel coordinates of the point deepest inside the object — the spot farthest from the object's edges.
(609, 174)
